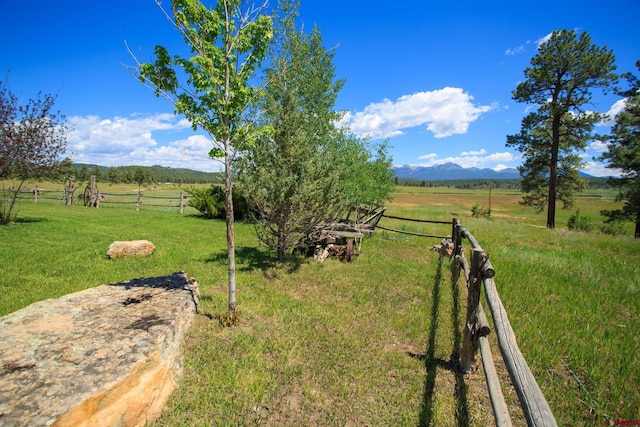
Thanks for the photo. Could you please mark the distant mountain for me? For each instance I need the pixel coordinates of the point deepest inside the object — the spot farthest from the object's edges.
(451, 171)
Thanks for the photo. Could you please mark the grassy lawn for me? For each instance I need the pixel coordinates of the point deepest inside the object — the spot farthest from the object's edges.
(373, 342)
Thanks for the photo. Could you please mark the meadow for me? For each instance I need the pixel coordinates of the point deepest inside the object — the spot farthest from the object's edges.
(372, 342)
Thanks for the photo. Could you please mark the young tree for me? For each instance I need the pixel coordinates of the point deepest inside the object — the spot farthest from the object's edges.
(293, 175)
(624, 155)
(227, 43)
(32, 140)
(559, 82)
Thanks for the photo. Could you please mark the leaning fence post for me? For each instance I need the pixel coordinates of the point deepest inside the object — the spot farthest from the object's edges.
(470, 336)
(181, 203)
(457, 237)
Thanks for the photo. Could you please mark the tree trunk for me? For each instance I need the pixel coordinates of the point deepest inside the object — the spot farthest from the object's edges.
(231, 246)
(282, 242)
(553, 173)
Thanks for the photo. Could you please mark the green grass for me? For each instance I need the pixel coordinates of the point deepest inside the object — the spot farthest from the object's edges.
(373, 342)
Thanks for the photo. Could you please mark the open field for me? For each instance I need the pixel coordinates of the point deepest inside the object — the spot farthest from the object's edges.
(373, 342)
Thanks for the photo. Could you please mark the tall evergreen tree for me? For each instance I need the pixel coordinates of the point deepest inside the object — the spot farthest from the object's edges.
(295, 174)
(624, 155)
(559, 83)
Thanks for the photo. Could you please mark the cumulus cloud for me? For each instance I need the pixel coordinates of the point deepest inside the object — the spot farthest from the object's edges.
(143, 140)
(598, 146)
(544, 39)
(599, 169)
(615, 109)
(445, 112)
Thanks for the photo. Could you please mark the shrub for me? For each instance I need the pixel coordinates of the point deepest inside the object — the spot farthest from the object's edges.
(478, 211)
(580, 222)
(210, 202)
(613, 228)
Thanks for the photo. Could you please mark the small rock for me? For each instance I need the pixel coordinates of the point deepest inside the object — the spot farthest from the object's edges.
(130, 248)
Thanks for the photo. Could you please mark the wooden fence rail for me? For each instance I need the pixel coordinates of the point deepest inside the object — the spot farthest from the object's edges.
(99, 198)
(411, 233)
(477, 273)
(534, 405)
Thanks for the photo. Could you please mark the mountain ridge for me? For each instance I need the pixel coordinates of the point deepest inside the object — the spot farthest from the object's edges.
(452, 171)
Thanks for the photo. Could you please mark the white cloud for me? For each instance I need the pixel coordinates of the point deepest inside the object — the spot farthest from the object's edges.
(516, 50)
(599, 169)
(615, 109)
(474, 153)
(446, 112)
(143, 140)
(598, 146)
(544, 39)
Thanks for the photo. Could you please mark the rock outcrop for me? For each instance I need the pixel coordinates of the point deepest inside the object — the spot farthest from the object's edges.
(130, 248)
(104, 356)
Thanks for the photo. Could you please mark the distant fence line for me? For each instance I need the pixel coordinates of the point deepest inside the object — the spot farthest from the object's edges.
(138, 198)
(477, 273)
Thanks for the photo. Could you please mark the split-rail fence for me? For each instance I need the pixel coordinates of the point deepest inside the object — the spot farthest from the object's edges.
(478, 272)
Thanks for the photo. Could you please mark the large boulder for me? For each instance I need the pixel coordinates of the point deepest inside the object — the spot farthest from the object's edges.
(109, 355)
(130, 248)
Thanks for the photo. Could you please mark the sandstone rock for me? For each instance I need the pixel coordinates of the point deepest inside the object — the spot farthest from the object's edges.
(130, 248)
(104, 356)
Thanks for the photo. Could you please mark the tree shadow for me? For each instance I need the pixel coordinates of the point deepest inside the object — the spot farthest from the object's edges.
(28, 220)
(432, 363)
(249, 259)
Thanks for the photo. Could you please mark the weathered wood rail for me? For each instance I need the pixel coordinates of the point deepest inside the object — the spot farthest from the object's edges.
(138, 198)
(477, 273)
(534, 405)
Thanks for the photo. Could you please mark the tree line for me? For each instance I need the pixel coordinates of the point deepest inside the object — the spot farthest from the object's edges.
(140, 174)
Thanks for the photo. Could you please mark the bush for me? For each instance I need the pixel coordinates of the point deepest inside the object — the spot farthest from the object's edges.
(210, 202)
(580, 222)
(478, 211)
(613, 228)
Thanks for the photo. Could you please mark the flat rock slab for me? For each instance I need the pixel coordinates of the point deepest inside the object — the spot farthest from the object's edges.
(103, 356)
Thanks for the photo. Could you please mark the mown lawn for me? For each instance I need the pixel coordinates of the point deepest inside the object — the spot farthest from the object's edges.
(373, 342)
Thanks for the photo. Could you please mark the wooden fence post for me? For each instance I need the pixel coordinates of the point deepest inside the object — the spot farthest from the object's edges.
(69, 189)
(472, 326)
(138, 200)
(456, 236)
(181, 203)
(35, 192)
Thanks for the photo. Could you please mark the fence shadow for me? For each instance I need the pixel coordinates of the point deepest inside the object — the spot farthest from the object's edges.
(432, 363)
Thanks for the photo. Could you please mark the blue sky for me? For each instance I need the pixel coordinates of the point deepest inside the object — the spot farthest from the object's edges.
(433, 77)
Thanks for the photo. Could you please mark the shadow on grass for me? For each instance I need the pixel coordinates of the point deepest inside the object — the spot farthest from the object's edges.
(249, 259)
(432, 363)
(28, 220)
